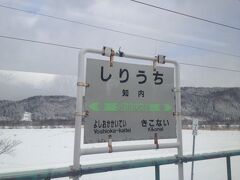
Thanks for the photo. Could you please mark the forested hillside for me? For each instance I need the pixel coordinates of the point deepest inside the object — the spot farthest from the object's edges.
(209, 105)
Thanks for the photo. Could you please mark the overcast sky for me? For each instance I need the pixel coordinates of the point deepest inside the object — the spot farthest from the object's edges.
(28, 69)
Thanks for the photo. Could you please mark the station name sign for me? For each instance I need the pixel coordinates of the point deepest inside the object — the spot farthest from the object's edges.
(128, 102)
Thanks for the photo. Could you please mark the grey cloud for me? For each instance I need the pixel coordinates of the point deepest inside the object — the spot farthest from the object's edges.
(123, 16)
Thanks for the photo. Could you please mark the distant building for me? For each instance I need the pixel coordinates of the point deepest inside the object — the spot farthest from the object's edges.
(27, 116)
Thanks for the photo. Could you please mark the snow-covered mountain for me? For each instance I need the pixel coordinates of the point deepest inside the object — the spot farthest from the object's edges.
(41, 107)
(211, 105)
(214, 105)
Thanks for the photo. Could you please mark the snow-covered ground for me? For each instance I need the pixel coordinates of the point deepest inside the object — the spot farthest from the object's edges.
(54, 148)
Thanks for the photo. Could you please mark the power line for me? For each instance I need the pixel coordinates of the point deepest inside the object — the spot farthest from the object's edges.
(210, 67)
(39, 42)
(78, 48)
(186, 15)
(121, 32)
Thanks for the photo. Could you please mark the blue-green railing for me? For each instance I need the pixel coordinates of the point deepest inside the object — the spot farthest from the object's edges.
(114, 166)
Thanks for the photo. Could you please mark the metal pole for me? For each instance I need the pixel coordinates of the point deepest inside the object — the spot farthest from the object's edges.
(79, 109)
(178, 118)
(121, 148)
(229, 175)
(78, 118)
(193, 152)
(157, 172)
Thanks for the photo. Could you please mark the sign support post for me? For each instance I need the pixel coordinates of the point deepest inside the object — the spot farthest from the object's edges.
(178, 118)
(78, 151)
(194, 133)
(79, 109)
(193, 152)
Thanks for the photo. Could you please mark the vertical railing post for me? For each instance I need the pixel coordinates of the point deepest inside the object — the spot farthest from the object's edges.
(157, 172)
(229, 175)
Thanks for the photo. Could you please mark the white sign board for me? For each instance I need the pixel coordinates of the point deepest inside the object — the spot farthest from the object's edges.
(194, 127)
(128, 102)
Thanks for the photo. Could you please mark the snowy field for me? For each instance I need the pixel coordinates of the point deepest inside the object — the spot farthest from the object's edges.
(42, 148)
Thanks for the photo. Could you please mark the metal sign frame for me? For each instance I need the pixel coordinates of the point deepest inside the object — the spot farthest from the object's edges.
(81, 85)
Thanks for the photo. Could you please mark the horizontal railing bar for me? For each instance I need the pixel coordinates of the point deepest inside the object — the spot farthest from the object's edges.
(39, 174)
(213, 155)
(122, 165)
(113, 166)
(98, 150)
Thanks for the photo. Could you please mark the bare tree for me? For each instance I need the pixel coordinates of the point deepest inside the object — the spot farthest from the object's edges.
(8, 146)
